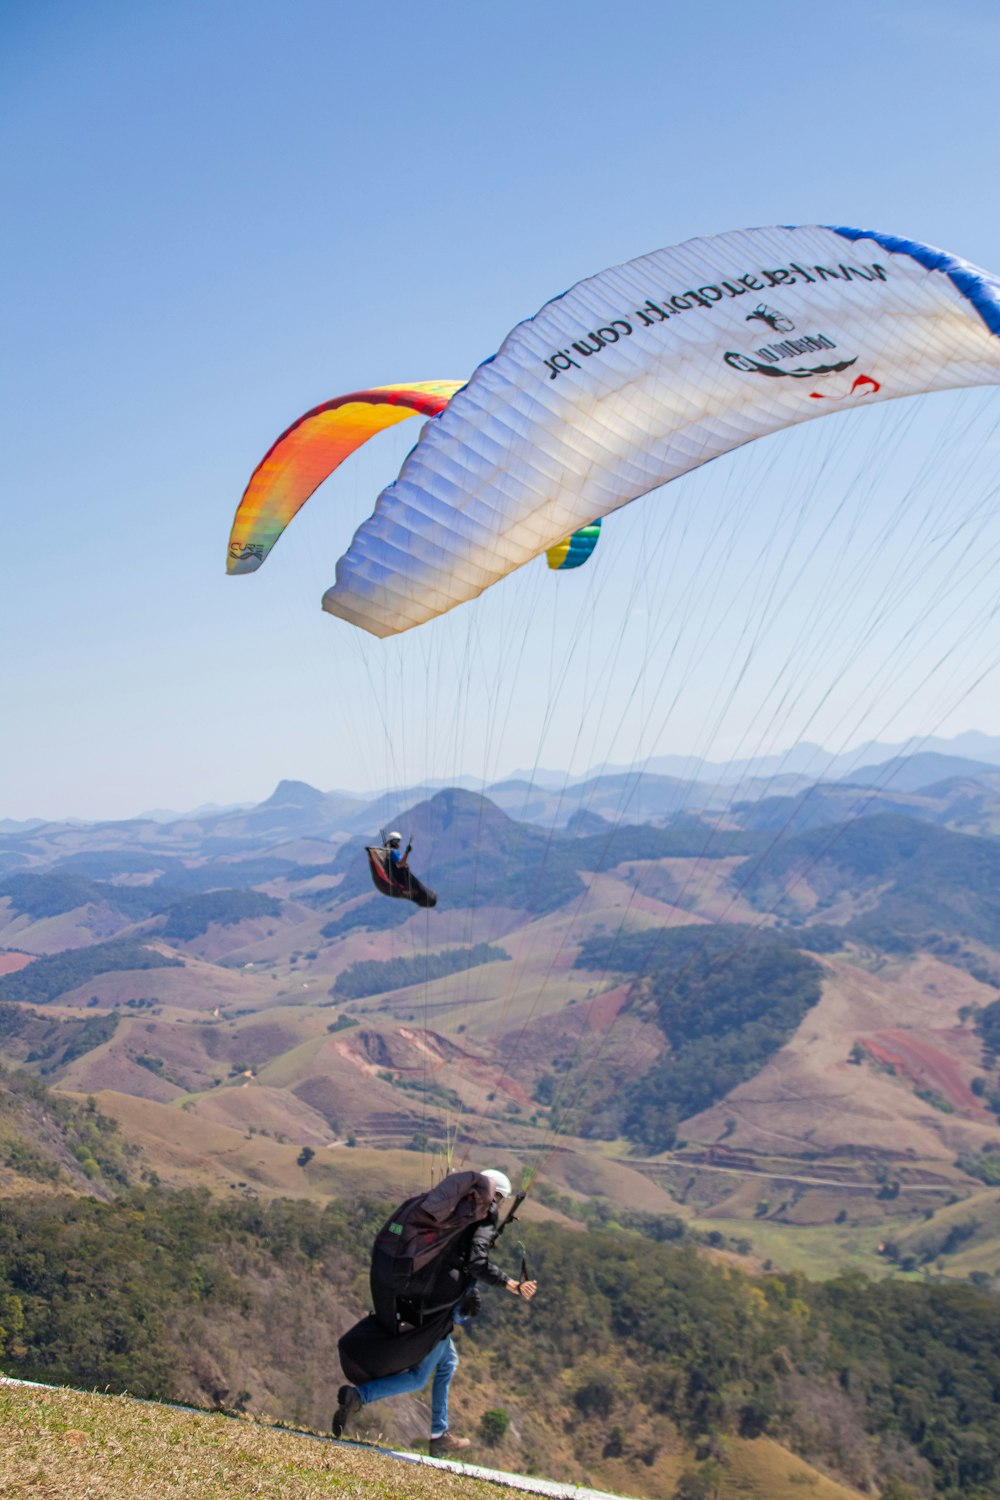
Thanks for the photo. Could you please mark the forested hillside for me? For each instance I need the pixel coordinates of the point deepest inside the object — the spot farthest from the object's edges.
(630, 1346)
(926, 881)
(725, 999)
(56, 973)
(58, 1142)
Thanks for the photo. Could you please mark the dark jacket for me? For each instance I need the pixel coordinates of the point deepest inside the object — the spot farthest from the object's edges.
(480, 1243)
(370, 1349)
(466, 1261)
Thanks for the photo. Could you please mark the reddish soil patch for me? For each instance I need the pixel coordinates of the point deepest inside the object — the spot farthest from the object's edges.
(603, 1012)
(11, 962)
(927, 1066)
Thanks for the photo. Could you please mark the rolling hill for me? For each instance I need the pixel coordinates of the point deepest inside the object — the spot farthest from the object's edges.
(211, 971)
(765, 1038)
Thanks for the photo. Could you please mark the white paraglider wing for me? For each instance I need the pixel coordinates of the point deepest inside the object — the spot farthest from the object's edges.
(644, 372)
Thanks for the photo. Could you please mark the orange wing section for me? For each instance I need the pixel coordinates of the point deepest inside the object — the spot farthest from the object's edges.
(309, 451)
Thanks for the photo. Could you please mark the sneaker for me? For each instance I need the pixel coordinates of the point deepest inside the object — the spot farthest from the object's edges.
(446, 1444)
(349, 1403)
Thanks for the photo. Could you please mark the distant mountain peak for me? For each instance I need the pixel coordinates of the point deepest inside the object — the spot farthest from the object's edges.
(457, 808)
(294, 794)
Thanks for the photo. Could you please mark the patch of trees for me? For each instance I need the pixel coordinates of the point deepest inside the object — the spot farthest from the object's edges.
(90, 1033)
(56, 973)
(726, 997)
(38, 896)
(378, 914)
(35, 1118)
(55, 1043)
(817, 937)
(686, 839)
(988, 1026)
(985, 1166)
(935, 1400)
(65, 1041)
(910, 1367)
(92, 1293)
(533, 874)
(373, 976)
(14, 1019)
(194, 915)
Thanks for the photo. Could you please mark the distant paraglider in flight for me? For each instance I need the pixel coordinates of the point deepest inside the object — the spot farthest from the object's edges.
(630, 379)
(391, 873)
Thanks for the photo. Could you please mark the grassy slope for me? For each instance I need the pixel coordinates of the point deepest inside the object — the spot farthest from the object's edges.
(74, 1446)
(979, 1216)
(191, 1149)
(59, 1442)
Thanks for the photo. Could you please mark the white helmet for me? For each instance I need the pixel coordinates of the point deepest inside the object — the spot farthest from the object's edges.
(394, 838)
(500, 1181)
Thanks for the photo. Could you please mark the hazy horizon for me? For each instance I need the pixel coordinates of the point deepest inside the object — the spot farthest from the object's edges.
(544, 777)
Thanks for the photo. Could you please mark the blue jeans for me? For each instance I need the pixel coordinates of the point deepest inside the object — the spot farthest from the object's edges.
(442, 1362)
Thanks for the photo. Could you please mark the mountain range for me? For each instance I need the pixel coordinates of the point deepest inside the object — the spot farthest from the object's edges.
(240, 966)
(763, 1017)
(656, 786)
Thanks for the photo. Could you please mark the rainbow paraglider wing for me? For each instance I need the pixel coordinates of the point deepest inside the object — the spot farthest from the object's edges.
(309, 451)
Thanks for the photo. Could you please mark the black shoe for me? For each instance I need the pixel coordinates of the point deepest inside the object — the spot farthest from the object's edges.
(349, 1403)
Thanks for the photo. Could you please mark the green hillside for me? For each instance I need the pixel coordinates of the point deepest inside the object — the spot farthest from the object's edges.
(47, 1138)
(374, 976)
(927, 881)
(51, 1042)
(726, 998)
(190, 917)
(630, 1347)
(56, 973)
(51, 895)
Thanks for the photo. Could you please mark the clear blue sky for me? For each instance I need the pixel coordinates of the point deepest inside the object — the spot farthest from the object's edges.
(217, 215)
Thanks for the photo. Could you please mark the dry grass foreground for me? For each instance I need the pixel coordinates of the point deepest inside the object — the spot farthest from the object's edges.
(62, 1445)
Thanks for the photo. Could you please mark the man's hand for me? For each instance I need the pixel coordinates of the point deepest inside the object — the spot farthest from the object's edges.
(525, 1289)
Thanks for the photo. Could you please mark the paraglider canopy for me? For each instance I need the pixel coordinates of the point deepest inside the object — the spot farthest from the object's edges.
(644, 372)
